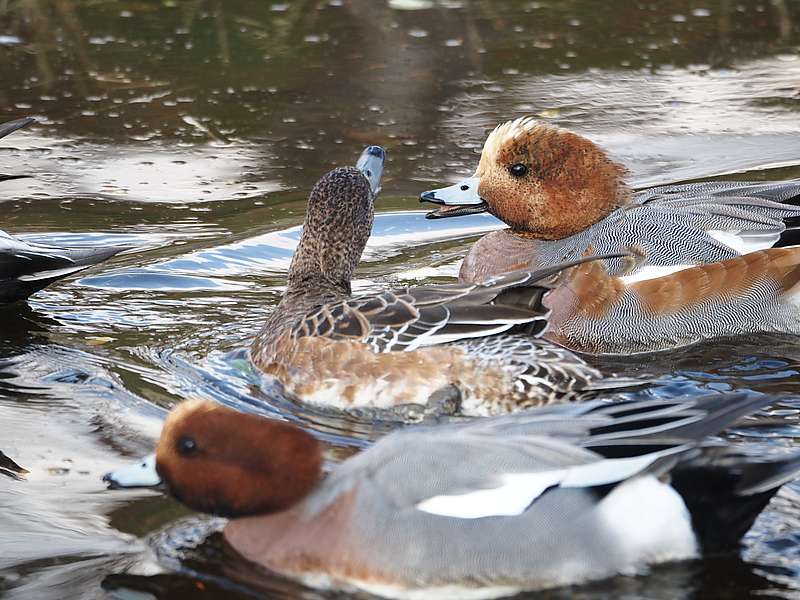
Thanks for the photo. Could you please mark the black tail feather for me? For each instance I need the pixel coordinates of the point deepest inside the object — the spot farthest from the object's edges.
(725, 491)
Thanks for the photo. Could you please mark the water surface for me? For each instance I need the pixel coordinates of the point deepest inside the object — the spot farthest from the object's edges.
(195, 129)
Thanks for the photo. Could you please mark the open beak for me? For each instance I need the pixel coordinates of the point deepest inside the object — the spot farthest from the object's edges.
(370, 163)
(141, 474)
(456, 200)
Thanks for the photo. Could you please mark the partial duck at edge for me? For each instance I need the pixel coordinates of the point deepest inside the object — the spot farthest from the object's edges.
(26, 268)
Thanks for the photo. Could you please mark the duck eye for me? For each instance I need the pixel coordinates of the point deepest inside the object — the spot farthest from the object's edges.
(518, 170)
(187, 446)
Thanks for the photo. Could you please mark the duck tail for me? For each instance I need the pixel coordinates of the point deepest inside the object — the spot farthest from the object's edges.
(9, 177)
(725, 491)
(12, 126)
(27, 268)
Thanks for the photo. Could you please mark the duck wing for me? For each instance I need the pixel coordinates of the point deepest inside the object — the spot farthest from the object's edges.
(515, 460)
(411, 317)
(667, 228)
(711, 222)
(27, 268)
(773, 191)
(741, 216)
(559, 494)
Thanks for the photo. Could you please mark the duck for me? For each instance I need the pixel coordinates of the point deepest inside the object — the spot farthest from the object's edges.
(26, 268)
(446, 348)
(703, 260)
(551, 496)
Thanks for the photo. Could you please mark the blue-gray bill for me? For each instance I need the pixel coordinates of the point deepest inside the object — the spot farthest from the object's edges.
(140, 474)
(456, 200)
(370, 163)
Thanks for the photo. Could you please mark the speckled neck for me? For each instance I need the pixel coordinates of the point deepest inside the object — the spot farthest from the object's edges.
(337, 225)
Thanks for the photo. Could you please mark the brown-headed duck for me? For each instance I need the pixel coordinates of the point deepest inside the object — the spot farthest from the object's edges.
(702, 258)
(553, 496)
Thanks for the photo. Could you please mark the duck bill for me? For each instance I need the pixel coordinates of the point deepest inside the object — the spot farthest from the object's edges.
(142, 474)
(456, 200)
(370, 163)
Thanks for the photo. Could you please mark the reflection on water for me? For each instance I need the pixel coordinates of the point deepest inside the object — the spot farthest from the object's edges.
(193, 131)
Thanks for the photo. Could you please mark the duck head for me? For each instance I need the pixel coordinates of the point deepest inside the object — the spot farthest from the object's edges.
(220, 461)
(337, 225)
(543, 181)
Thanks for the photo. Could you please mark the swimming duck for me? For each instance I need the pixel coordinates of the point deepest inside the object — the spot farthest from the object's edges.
(547, 497)
(26, 268)
(702, 258)
(451, 347)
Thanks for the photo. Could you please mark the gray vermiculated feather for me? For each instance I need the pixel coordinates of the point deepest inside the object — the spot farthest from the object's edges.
(517, 441)
(776, 191)
(559, 528)
(657, 217)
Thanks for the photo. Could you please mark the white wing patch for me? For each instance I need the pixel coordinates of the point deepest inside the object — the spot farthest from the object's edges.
(445, 338)
(745, 242)
(514, 495)
(517, 491)
(653, 272)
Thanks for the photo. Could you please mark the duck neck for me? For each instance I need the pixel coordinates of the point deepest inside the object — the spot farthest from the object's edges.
(306, 293)
(572, 223)
(321, 269)
(499, 252)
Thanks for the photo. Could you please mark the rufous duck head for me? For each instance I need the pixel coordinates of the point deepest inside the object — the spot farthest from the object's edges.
(541, 180)
(217, 460)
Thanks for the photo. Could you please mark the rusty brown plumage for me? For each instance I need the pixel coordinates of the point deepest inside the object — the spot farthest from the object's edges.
(588, 294)
(735, 276)
(570, 183)
(207, 471)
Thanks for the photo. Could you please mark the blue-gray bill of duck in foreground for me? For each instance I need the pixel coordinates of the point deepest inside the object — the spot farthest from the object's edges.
(547, 497)
(26, 268)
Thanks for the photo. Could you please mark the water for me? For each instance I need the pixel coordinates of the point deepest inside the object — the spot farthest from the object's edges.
(195, 129)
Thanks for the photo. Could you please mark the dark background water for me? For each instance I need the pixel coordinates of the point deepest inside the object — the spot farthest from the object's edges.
(195, 129)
